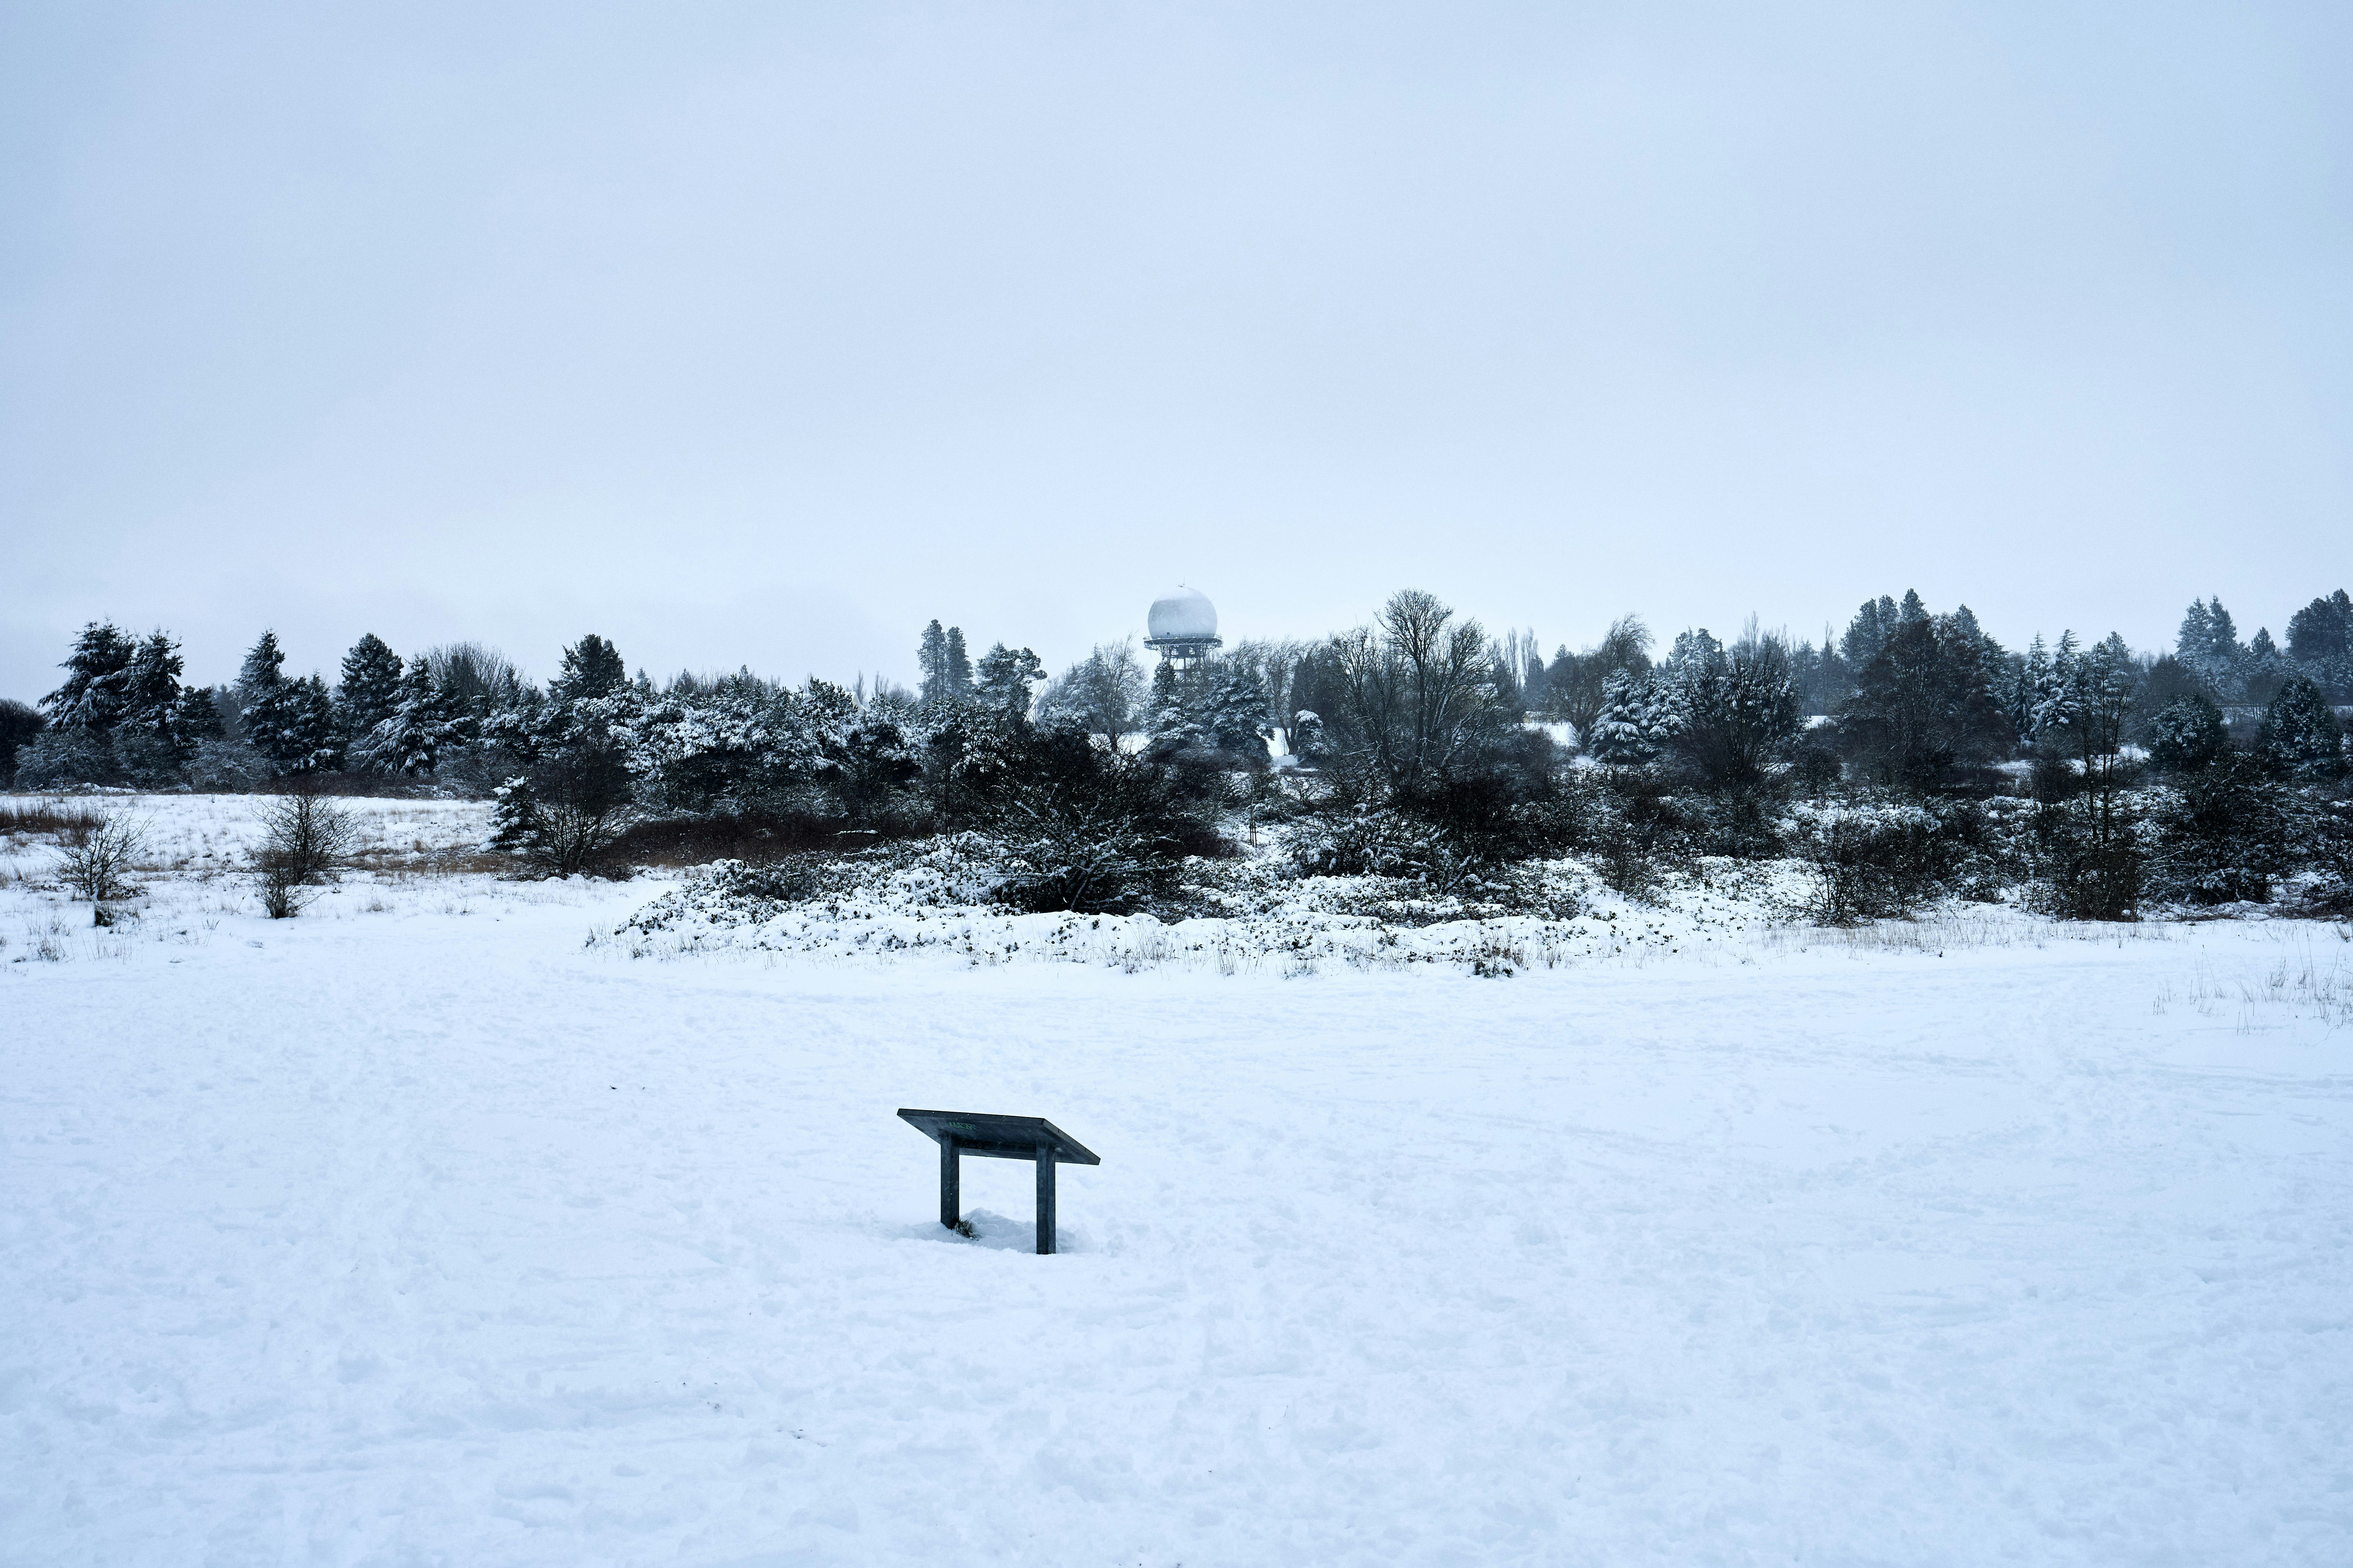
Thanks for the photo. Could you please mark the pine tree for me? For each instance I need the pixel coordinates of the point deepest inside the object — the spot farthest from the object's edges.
(421, 726)
(2320, 641)
(2033, 679)
(1622, 730)
(2056, 695)
(1869, 631)
(2188, 733)
(958, 669)
(272, 706)
(1237, 720)
(2300, 737)
(150, 689)
(592, 669)
(149, 739)
(371, 686)
(1913, 610)
(1173, 725)
(314, 737)
(1006, 676)
(931, 664)
(93, 695)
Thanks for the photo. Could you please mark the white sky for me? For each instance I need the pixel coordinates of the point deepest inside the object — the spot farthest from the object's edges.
(763, 334)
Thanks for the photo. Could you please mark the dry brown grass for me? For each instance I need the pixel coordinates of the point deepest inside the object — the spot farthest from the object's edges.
(42, 816)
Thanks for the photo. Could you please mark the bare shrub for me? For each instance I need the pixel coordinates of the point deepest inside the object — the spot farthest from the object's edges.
(96, 851)
(1868, 870)
(307, 840)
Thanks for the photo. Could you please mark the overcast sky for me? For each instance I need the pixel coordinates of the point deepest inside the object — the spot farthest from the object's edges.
(764, 334)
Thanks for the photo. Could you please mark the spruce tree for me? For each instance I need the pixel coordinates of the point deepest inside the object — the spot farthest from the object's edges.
(2188, 733)
(421, 725)
(272, 706)
(93, 695)
(931, 664)
(2300, 737)
(592, 669)
(1622, 730)
(151, 690)
(315, 739)
(1237, 719)
(371, 686)
(1004, 678)
(959, 667)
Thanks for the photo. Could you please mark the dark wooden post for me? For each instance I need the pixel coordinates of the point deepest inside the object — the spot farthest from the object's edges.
(1045, 1199)
(951, 1183)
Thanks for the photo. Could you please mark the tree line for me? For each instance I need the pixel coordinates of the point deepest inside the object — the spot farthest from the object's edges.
(1431, 748)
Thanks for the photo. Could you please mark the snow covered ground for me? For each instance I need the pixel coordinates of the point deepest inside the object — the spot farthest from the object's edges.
(424, 1229)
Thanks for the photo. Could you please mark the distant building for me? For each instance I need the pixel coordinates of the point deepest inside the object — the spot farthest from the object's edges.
(1183, 627)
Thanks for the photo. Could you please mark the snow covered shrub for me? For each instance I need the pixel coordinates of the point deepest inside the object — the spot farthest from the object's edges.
(1871, 867)
(226, 766)
(1816, 769)
(60, 757)
(2324, 839)
(95, 853)
(2187, 733)
(2222, 835)
(2090, 862)
(1084, 827)
(1636, 832)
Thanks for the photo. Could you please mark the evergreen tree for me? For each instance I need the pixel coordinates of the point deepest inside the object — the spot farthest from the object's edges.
(958, 669)
(93, 695)
(1624, 731)
(592, 669)
(931, 664)
(2188, 733)
(2300, 737)
(1924, 707)
(199, 718)
(422, 725)
(1913, 611)
(2224, 835)
(371, 686)
(152, 683)
(1735, 713)
(273, 708)
(2056, 693)
(1006, 676)
(315, 738)
(2209, 643)
(1869, 631)
(20, 725)
(2320, 641)
(2032, 681)
(1174, 723)
(1237, 719)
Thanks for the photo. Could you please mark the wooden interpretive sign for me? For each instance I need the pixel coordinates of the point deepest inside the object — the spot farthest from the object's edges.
(961, 1133)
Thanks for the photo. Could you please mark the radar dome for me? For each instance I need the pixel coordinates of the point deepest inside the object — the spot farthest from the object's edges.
(1184, 616)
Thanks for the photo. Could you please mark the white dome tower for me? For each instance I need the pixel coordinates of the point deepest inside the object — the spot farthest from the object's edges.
(1183, 627)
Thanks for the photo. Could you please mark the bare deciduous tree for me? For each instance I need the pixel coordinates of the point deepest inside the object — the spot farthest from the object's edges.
(95, 851)
(306, 840)
(1417, 685)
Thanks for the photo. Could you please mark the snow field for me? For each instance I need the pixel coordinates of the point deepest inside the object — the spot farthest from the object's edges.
(435, 1234)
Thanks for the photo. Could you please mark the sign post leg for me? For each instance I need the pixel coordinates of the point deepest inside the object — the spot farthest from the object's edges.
(951, 1183)
(1045, 1199)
